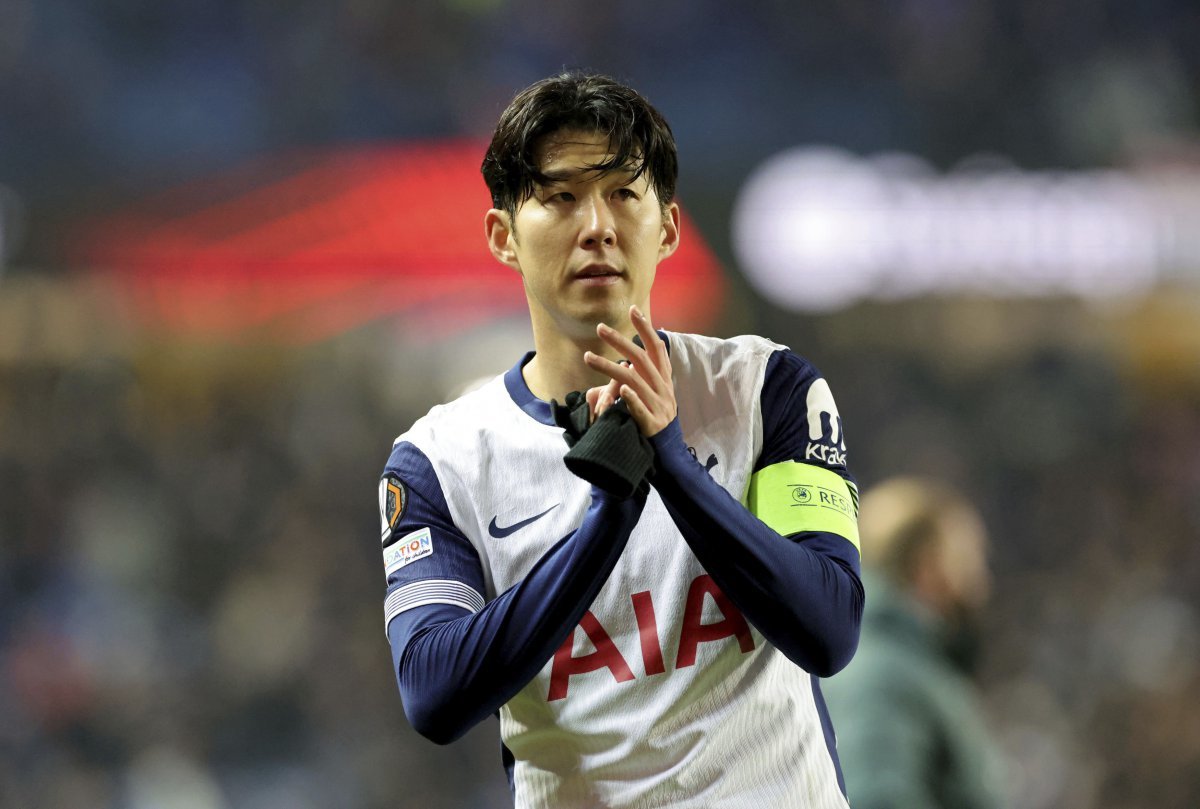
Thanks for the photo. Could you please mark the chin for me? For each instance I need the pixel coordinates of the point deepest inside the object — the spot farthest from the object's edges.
(609, 311)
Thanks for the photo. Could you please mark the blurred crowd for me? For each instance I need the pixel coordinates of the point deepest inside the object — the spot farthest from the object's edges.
(190, 591)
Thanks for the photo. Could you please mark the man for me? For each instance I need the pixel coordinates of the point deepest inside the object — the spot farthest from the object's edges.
(910, 732)
(649, 614)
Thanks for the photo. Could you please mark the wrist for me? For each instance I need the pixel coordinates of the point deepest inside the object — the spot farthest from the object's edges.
(668, 439)
(612, 501)
(671, 450)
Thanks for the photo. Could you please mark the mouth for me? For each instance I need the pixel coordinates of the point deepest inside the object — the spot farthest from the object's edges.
(598, 275)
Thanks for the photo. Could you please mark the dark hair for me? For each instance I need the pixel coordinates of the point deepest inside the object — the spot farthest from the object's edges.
(637, 133)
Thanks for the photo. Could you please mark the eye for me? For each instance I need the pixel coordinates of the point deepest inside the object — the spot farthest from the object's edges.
(626, 193)
(561, 196)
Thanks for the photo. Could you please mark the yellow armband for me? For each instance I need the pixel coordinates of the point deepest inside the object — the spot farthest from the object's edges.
(791, 497)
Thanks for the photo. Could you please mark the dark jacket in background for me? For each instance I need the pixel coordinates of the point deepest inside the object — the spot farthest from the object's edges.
(910, 732)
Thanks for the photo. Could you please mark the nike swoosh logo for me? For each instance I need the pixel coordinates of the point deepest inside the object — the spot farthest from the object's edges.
(500, 533)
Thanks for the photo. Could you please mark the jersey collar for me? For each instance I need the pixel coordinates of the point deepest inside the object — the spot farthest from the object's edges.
(522, 396)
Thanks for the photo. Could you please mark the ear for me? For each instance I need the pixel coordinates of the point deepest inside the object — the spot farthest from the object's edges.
(669, 239)
(500, 237)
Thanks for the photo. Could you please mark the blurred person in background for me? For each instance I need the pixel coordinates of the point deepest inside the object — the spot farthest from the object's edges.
(910, 732)
(702, 622)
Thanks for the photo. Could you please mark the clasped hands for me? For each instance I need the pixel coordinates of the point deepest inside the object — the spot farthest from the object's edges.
(645, 383)
(608, 427)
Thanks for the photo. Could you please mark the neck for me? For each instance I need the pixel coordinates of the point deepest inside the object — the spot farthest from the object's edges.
(557, 367)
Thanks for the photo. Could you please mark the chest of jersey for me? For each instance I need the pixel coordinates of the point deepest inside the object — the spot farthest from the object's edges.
(522, 500)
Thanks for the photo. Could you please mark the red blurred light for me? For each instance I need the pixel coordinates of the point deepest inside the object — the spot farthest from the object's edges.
(303, 247)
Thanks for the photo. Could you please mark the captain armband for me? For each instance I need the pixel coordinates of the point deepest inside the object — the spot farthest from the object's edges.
(792, 497)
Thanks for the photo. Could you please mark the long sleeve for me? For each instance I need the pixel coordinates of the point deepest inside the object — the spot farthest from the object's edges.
(790, 560)
(455, 667)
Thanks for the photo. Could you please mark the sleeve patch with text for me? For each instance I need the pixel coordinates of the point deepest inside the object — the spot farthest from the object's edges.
(826, 443)
(407, 550)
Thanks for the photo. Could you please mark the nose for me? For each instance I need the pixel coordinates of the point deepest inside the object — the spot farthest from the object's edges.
(599, 225)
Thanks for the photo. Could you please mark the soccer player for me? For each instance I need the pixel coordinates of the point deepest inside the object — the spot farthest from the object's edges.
(652, 642)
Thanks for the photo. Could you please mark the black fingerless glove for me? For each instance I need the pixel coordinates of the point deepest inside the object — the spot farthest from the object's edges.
(573, 416)
(611, 453)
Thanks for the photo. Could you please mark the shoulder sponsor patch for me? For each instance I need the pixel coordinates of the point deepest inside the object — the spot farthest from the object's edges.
(392, 499)
(826, 444)
(407, 550)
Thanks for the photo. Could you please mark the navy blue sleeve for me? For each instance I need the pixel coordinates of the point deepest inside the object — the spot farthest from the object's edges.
(427, 559)
(800, 419)
(803, 592)
(455, 666)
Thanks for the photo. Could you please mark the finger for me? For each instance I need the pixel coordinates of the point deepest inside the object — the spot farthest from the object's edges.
(637, 408)
(642, 416)
(641, 361)
(613, 390)
(593, 399)
(601, 397)
(624, 346)
(608, 396)
(620, 374)
(625, 374)
(655, 347)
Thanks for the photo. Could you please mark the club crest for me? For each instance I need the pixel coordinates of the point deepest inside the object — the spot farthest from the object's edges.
(393, 497)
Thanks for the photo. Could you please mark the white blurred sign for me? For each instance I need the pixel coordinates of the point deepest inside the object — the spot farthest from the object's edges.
(817, 229)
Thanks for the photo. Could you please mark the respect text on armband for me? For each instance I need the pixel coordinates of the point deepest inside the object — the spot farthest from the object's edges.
(809, 495)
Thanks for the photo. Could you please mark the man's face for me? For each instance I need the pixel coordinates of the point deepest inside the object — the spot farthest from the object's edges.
(962, 556)
(586, 244)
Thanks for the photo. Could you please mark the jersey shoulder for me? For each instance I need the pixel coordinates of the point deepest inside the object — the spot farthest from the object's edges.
(726, 373)
(452, 423)
(778, 363)
(801, 419)
(422, 458)
(720, 352)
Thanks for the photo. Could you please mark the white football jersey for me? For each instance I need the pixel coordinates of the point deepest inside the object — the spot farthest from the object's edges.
(664, 695)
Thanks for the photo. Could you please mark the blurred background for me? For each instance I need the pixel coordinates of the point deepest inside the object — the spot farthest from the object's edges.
(240, 251)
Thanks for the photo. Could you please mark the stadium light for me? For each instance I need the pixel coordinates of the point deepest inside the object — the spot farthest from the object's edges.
(818, 229)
